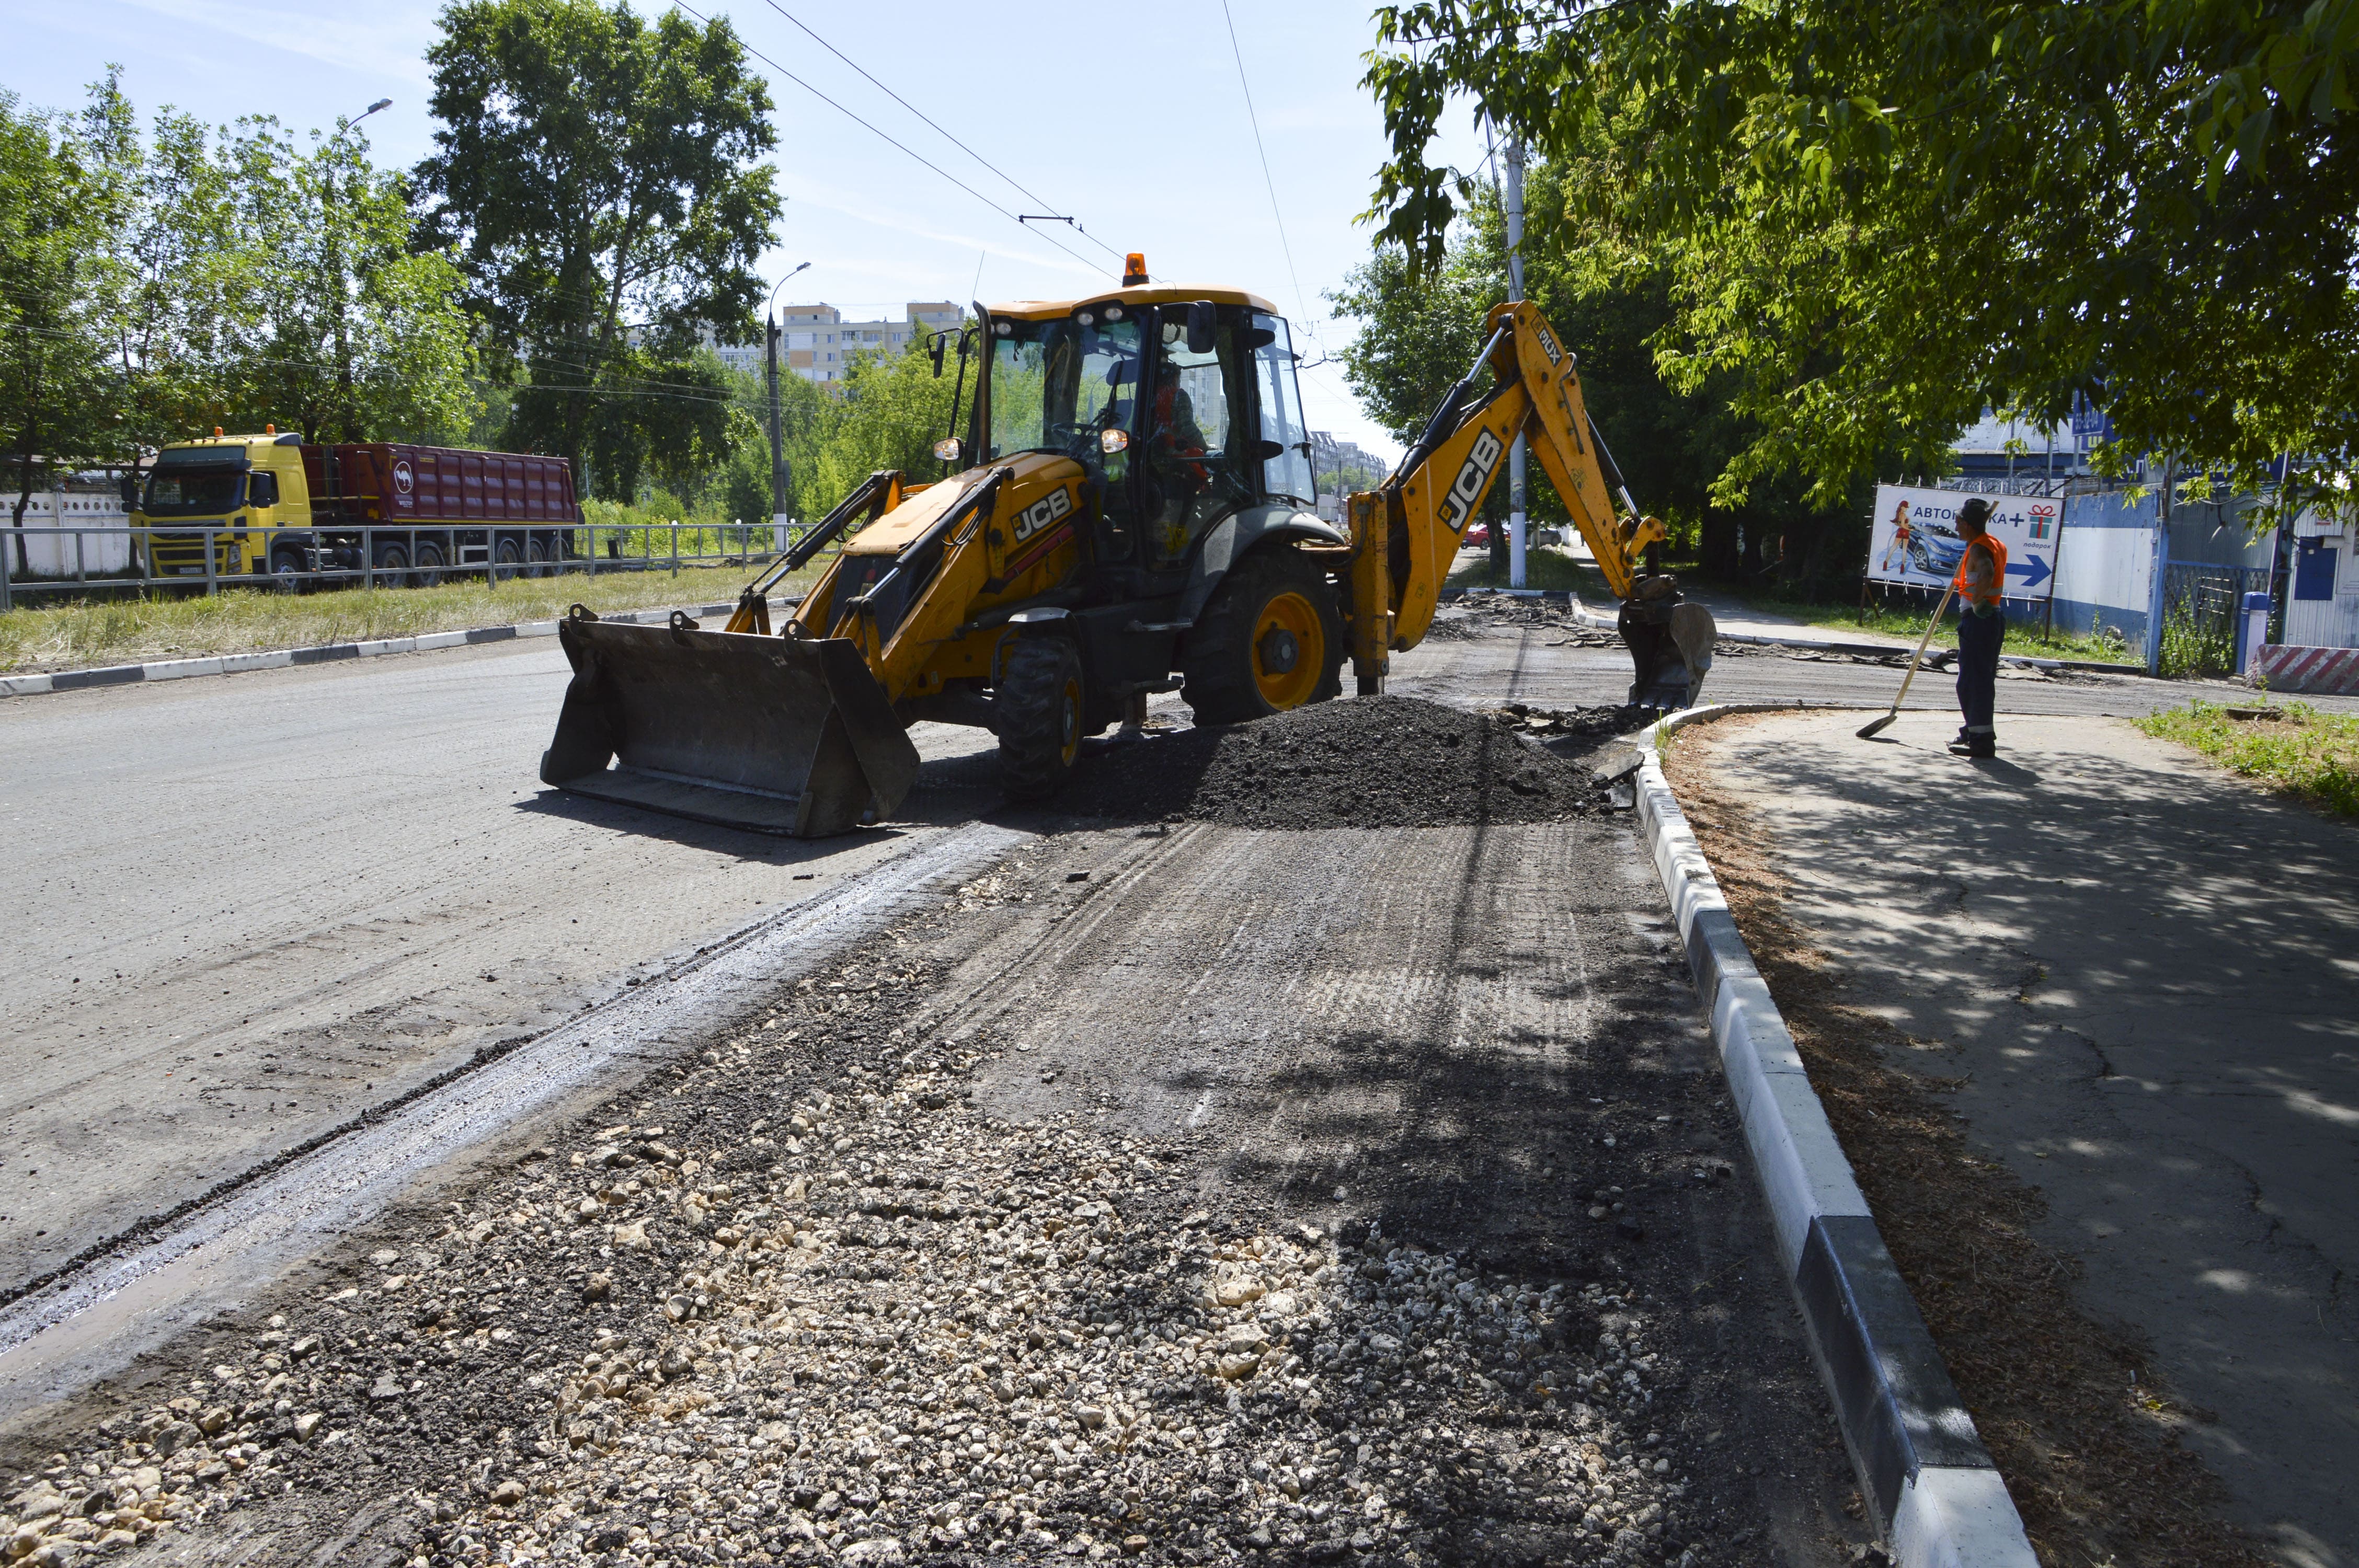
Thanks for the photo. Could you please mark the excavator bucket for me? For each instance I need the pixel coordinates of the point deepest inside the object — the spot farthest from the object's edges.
(777, 734)
(1670, 643)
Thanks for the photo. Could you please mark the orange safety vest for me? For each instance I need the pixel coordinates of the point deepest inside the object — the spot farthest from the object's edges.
(1998, 570)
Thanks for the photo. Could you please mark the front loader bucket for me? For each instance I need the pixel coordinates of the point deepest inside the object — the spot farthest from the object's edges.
(777, 734)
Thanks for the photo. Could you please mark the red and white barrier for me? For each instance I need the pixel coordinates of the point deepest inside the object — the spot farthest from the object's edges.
(2332, 671)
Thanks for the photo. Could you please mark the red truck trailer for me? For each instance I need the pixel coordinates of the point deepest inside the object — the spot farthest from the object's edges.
(430, 508)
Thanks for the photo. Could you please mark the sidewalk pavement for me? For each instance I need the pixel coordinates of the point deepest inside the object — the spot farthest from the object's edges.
(2149, 973)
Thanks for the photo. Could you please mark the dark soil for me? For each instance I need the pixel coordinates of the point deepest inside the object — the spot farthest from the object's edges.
(1380, 761)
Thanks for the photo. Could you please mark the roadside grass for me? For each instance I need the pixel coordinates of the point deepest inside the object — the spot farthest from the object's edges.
(126, 629)
(2296, 749)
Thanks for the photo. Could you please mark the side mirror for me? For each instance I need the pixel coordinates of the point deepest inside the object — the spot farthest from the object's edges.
(948, 448)
(941, 341)
(1253, 338)
(1265, 450)
(1202, 326)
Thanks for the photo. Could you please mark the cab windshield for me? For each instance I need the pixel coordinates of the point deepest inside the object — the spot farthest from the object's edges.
(1055, 384)
(195, 490)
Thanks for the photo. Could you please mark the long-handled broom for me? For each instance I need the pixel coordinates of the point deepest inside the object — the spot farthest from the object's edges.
(1875, 725)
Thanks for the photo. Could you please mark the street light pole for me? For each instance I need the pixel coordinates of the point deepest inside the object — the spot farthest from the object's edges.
(1517, 526)
(336, 259)
(778, 444)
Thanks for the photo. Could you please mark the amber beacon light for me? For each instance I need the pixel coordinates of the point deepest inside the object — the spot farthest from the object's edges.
(1134, 269)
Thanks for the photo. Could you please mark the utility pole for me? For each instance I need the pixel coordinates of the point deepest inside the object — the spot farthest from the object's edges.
(336, 260)
(778, 445)
(1514, 201)
(779, 475)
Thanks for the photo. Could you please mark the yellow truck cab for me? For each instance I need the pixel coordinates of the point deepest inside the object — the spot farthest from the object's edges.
(252, 487)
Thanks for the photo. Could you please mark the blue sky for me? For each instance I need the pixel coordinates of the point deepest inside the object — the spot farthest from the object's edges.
(1130, 117)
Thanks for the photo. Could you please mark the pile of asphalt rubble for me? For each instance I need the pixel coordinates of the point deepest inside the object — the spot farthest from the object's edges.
(849, 1319)
(1382, 761)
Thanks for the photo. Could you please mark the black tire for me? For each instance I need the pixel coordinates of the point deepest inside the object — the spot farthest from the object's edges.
(1252, 653)
(535, 559)
(1037, 711)
(286, 573)
(506, 561)
(392, 567)
(429, 564)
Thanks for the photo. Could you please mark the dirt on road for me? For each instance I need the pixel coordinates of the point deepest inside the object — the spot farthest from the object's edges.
(1381, 761)
(1198, 1194)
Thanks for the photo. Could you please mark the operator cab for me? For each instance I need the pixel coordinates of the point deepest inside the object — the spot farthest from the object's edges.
(1180, 405)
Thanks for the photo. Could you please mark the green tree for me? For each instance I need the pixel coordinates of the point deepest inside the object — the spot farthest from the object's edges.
(57, 397)
(600, 173)
(1421, 328)
(894, 410)
(1876, 220)
(336, 327)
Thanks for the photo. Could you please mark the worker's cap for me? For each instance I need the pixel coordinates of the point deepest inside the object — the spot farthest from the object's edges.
(1974, 513)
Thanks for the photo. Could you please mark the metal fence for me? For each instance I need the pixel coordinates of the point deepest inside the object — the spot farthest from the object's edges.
(210, 559)
(2200, 604)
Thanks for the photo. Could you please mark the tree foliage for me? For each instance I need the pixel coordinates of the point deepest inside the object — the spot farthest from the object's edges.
(600, 175)
(1421, 327)
(53, 372)
(153, 286)
(1875, 219)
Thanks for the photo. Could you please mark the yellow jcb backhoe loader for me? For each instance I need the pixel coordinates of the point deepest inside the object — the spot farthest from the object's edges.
(1132, 513)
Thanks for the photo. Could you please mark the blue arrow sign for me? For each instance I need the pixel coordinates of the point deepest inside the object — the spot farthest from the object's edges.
(2033, 572)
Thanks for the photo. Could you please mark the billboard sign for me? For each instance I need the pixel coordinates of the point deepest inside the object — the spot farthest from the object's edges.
(1915, 539)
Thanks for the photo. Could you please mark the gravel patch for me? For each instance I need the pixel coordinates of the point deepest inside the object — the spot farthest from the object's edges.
(1379, 761)
(798, 1300)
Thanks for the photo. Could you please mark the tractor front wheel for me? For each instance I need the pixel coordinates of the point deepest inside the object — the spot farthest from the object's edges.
(1037, 717)
(1271, 639)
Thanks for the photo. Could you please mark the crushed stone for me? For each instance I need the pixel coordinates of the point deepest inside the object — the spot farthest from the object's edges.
(847, 1318)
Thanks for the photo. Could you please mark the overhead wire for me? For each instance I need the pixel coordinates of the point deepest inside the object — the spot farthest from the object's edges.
(930, 120)
(902, 147)
(1301, 301)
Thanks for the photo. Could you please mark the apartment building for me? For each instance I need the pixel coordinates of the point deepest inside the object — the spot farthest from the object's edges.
(817, 343)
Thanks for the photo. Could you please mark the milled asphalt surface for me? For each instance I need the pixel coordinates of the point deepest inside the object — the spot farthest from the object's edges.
(2144, 970)
(242, 910)
(1478, 1039)
(245, 909)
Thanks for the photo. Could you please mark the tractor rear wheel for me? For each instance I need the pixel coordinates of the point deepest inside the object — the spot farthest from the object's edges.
(1271, 639)
(1037, 717)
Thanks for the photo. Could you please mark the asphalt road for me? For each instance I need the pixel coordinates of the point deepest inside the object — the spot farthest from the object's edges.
(242, 911)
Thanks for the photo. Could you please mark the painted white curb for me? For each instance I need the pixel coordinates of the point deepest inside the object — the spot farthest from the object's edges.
(1920, 1464)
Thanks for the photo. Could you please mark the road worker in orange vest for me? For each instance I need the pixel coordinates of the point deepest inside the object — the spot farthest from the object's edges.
(1980, 583)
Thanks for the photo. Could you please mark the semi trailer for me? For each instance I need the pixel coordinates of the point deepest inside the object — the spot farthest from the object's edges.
(280, 507)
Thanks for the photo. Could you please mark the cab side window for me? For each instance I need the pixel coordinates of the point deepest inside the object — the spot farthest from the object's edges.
(262, 488)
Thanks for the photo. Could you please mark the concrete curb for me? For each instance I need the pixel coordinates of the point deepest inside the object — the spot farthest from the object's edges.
(326, 653)
(1922, 1465)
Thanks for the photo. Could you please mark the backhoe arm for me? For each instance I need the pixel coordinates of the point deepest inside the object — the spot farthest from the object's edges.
(1407, 532)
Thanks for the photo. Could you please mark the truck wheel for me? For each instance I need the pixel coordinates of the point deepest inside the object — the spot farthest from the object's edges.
(504, 560)
(286, 573)
(429, 564)
(535, 559)
(1037, 717)
(1272, 639)
(392, 567)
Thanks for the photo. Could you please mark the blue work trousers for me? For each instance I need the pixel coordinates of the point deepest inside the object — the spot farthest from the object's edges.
(1978, 643)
